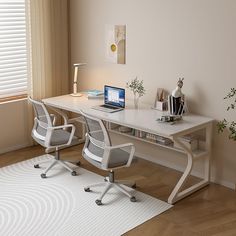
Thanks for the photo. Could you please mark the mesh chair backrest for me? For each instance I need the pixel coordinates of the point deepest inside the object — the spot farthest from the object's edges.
(42, 118)
(98, 135)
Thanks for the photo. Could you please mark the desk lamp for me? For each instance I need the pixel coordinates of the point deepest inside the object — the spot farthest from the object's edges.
(75, 83)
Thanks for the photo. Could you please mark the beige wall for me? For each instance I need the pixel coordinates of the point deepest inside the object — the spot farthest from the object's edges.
(194, 39)
(14, 126)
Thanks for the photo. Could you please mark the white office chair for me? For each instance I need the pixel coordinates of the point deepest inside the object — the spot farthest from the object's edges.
(51, 137)
(100, 153)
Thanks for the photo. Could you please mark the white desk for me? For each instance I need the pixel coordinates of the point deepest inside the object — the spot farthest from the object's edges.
(144, 119)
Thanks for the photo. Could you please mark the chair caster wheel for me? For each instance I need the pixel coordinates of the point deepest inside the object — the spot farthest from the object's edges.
(78, 163)
(36, 166)
(134, 186)
(43, 176)
(98, 202)
(133, 199)
(73, 173)
(87, 190)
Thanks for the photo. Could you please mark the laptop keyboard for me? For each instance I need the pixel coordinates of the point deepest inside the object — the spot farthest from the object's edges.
(110, 107)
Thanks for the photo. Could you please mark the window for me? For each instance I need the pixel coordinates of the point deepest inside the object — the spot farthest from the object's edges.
(13, 54)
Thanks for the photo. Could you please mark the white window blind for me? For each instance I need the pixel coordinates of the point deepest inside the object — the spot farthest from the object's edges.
(13, 55)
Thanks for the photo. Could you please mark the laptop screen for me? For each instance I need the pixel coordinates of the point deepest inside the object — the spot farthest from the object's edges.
(114, 96)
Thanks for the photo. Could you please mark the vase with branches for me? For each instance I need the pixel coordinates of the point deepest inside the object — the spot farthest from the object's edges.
(231, 125)
(136, 86)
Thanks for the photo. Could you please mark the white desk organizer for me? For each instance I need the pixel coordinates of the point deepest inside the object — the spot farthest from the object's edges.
(161, 106)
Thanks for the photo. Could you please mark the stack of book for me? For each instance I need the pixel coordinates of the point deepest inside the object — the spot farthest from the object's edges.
(139, 133)
(94, 93)
(124, 129)
(163, 140)
(159, 139)
(191, 141)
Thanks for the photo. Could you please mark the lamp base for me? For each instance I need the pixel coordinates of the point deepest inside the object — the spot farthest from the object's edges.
(76, 94)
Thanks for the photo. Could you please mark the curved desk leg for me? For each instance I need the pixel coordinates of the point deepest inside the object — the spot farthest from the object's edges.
(177, 194)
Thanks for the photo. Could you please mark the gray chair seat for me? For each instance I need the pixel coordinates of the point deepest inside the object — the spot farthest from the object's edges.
(118, 157)
(59, 137)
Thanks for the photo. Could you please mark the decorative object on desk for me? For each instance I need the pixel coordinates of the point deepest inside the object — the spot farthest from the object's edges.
(75, 82)
(138, 90)
(169, 118)
(231, 125)
(116, 43)
(177, 101)
(161, 102)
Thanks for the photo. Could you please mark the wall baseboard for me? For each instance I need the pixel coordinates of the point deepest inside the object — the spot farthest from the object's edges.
(224, 183)
(14, 148)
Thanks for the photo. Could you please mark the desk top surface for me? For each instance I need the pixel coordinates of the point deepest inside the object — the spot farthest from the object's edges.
(144, 118)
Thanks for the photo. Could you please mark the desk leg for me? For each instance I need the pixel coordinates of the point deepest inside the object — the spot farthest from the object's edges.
(177, 194)
(208, 149)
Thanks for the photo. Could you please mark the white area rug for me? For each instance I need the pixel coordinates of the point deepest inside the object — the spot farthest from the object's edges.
(58, 205)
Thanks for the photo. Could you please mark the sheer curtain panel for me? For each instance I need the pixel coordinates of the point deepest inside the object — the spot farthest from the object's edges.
(49, 47)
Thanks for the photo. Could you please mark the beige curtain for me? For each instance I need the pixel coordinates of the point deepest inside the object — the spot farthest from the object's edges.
(49, 47)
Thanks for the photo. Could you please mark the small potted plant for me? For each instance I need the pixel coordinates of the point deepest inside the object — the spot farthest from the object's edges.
(138, 90)
(231, 125)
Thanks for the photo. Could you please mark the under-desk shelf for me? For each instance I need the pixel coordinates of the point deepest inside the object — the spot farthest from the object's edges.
(170, 145)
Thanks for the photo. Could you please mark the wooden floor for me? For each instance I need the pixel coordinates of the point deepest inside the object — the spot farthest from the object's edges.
(210, 211)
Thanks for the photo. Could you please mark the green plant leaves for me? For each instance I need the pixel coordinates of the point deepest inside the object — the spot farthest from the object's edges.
(136, 87)
(223, 124)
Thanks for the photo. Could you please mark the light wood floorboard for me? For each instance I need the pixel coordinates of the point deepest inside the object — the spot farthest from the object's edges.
(210, 211)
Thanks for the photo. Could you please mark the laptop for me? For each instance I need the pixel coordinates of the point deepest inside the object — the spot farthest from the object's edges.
(114, 99)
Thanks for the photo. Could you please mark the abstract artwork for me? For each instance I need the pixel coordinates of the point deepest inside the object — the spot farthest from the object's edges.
(116, 43)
